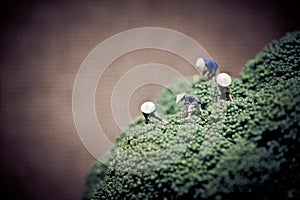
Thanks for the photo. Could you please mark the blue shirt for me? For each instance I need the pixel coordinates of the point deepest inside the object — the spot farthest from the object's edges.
(211, 65)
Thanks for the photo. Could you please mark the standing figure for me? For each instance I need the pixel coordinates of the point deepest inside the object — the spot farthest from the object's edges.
(209, 67)
(148, 109)
(223, 81)
(191, 101)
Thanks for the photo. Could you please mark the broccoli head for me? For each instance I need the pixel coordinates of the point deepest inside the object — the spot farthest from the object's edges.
(245, 149)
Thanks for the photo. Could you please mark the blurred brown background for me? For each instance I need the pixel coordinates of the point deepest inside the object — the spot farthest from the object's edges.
(43, 44)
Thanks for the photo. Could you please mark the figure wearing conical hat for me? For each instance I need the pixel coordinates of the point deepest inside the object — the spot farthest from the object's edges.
(191, 102)
(208, 66)
(223, 81)
(148, 110)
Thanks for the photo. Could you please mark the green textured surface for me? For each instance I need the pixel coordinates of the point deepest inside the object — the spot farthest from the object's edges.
(246, 149)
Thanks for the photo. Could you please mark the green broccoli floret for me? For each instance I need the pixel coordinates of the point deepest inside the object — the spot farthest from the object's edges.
(245, 149)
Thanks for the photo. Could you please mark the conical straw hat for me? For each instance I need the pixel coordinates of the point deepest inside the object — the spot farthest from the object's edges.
(200, 63)
(179, 97)
(148, 107)
(223, 79)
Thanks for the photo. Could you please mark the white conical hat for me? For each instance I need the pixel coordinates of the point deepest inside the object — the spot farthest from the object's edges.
(148, 107)
(200, 63)
(223, 79)
(179, 97)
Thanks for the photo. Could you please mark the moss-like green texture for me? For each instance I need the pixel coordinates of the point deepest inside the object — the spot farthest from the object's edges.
(246, 149)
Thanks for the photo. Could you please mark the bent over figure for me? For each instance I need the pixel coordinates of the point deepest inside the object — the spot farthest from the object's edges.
(209, 67)
(191, 102)
(148, 110)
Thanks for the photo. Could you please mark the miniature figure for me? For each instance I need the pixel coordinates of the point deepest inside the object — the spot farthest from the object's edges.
(191, 101)
(148, 109)
(209, 67)
(223, 81)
